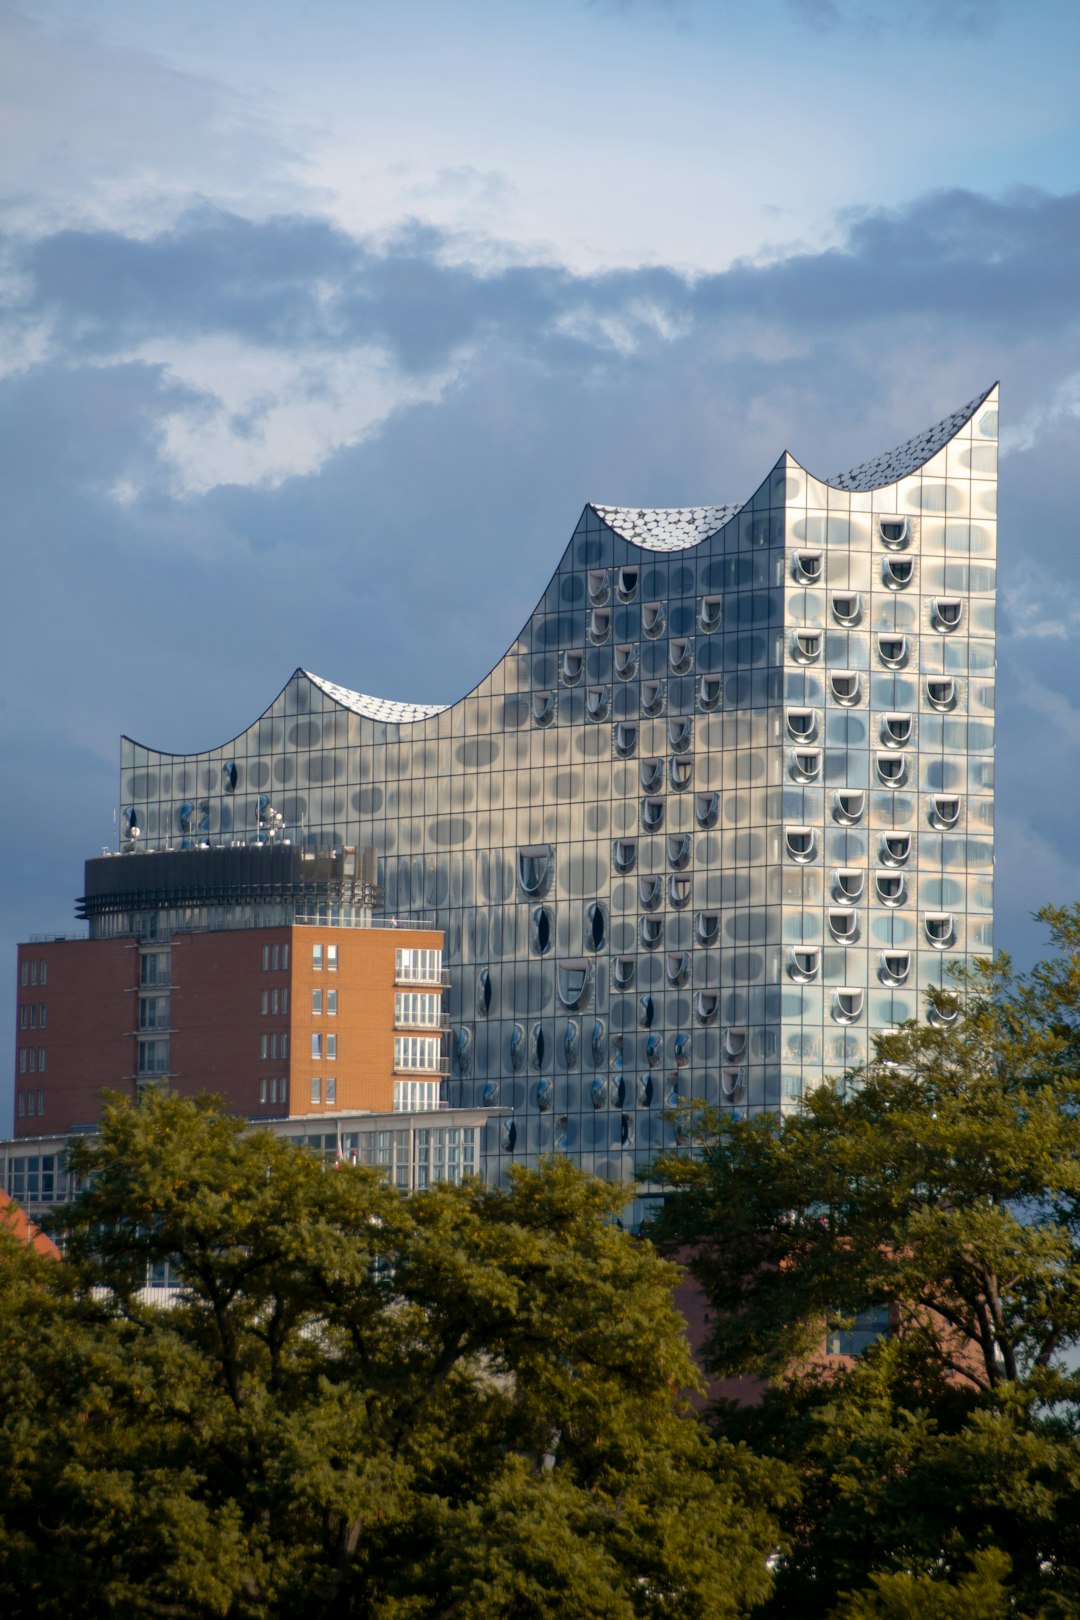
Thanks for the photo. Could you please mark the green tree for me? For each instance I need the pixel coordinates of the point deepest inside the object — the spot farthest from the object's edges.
(942, 1181)
(466, 1403)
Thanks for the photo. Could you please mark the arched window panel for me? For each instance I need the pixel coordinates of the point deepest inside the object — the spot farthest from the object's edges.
(652, 775)
(509, 1135)
(652, 697)
(562, 1133)
(891, 888)
(896, 730)
(595, 927)
(802, 724)
(490, 1094)
(517, 1048)
(943, 1010)
(570, 1045)
(845, 686)
(681, 1050)
(843, 924)
(545, 1091)
(800, 843)
(483, 992)
(541, 930)
(627, 584)
(678, 850)
(617, 1087)
(804, 963)
(806, 646)
(624, 739)
(598, 1091)
(893, 532)
(680, 773)
(622, 970)
(940, 929)
(848, 885)
(680, 655)
(599, 587)
(710, 692)
(543, 708)
(804, 764)
(645, 1090)
(597, 703)
(897, 573)
(706, 1006)
(849, 805)
(653, 619)
(598, 1044)
(946, 613)
(646, 1012)
(652, 814)
(808, 567)
(732, 1085)
(847, 607)
(652, 932)
(706, 808)
(573, 977)
(626, 1130)
(892, 650)
(599, 625)
(711, 613)
(680, 732)
(894, 967)
(677, 968)
(736, 1040)
(892, 769)
(679, 891)
(185, 817)
(895, 848)
(650, 891)
(534, 868)
(944, 809)
(941, 692)
(538, 1046)
(229, 777)
(624, 855)
(626, 661)
(707, 927)
(572, 667)
(847, 1004)
(654, 1051)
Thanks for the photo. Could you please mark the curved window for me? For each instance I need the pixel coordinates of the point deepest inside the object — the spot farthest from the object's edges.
(623, 971)
(652, 932)
(645, 1090)
(706, 808)
(597, 703)
(680, 774)
(483, 992)
(805, 764)
(706, 1005)
(646, 1011)
(599, 625)
(599, 587)
(598, 1091)
(490, 1093)
(892, 650)
(595, 927)
(802, 724)
(131, 822)
(573, 665)
(681, 1049)
(891, 888)
(711, 613)
(732, 1089)
(229, 777)
(652, 775)
(941, 692)
(626, 1131)
(654, 1051)
(562, 1133)
(680, 655)
(847, 1005)
(848, 806)
(599, 1046)
(895, 848)
(804, 961)
(624, 855)
(652, 814)
(847, 607)
(943, 1010)
(534, 867)
(808, 567)
(573, 981)
(680, 734)
(896, 730)
(624, 738)
(517, 1047)
(625, 661)
(848, 885)
(805, 646)
(541, 930)
(539, 1046)
(652, 697)
(891, 769)
(735, 1041)
(894, 966)
(801, 843)
(678, 850)
(620, 1091)
(710, 692)
(679, 891)
(650, 892)
(893, 531)
(845, 686)
(186, 818)
(944, 810)
(940, 928)
(708, 927)
(843, 924)
(509, 1135)
(543, 708)
(627, 584)
(653, 619)
(946, 612)
(897, 572)
(570, 1045)
(544, 1091)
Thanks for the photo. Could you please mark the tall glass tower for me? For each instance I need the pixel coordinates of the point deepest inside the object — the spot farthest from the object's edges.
(723, 809)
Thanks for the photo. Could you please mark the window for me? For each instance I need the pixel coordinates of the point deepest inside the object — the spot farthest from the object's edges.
(599, 589)
(845, 685)
(843, 924)
(155, 968)
(896, 730)
(23, 1016)
(416, 1053)
(624, 739)
(946, 613)
(418, 967)
(264, 1003)
(894, 967)
(706, 808)
(944, 810)
(32, 1059)
(276, 957)
(893, 530)
(543, 708)
(865, 1329)
(892, 650)
(652, 932)
(153, 1057)
(895, 848)
(284, 1000)
(599, 624)
(711, 613)
(22, 1059)
(897, 572)
(25, 973)
(940, 928)
(41, 1101)
(847, 607)
(804, 961)
(596, 703)
(679, 891)
(650, 892)
(262, 1091)
(680, 655)
(651, 772)
(316, 1045)
(847, 1005)
(413, 1009)
(331, 1092)
(708, 927)
(275, 1002)
(284, 1046)
(652, 814)
(848, 806)
(805, 646)
(317, 958)
(652, 619)
(33, 1015)
(331, 1048)
(625, 661)
(710, 692)
(624, 972)
(848, 885)
(805, 764)
(891, 769)
(801, 843)
(331, 1003)
(41, 1016)
(807, 567)
(891, 888)
(33, 972)
(285, 957)
(264, 1046)
(534, 866)
(316, 1003)
(331, 958)
(680, 774)
(22, 1104)
(573, 663)
(273, 1046)
(802, 724)
(627, 584)
(316, 1092)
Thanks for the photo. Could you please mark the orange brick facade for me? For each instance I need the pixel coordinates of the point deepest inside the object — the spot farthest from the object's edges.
(230, 1012)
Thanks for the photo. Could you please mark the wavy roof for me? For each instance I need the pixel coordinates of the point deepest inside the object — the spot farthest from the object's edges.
(666, 528)
(375, 708)
(909, 456)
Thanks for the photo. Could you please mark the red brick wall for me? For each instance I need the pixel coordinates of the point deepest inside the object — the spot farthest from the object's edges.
(217, 1024)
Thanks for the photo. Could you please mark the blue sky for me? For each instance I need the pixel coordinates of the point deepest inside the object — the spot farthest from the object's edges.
(309, 310)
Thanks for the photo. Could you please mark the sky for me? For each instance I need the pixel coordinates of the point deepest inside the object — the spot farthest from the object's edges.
(319, 325)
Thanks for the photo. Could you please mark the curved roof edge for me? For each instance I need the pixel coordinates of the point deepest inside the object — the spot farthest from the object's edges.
(908, 457)
(666, 528)
(372, 707)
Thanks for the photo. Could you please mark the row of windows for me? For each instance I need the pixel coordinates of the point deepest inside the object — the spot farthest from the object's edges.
(31, 1103)
(324, 1046)
(36, 1177)
(275, 958)
(274, 1001)
(412, 1007)
(417, 1053)
(323, 1092)
(275, 1089)
(31, 1060)
(34, 972)
(273, 1046)
(418, 966)
(330, 955)
(32, 1015)
(415, 1096)
(317, 999)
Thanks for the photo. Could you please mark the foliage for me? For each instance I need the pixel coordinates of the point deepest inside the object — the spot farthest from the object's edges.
(943, 1180)
(466, 1403)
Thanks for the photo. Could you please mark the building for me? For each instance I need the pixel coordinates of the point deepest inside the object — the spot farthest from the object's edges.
(723, 809)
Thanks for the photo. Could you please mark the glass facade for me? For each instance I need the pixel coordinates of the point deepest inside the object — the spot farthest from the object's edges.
(724, 808)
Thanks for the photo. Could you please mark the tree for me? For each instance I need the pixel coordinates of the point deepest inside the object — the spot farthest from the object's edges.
(465, 1403)
(942, 1181)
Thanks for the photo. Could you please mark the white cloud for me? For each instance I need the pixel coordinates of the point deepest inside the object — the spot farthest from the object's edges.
(1063, 405)
(1040, 606)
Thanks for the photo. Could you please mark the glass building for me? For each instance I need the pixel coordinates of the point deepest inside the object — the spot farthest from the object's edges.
(723, 809)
